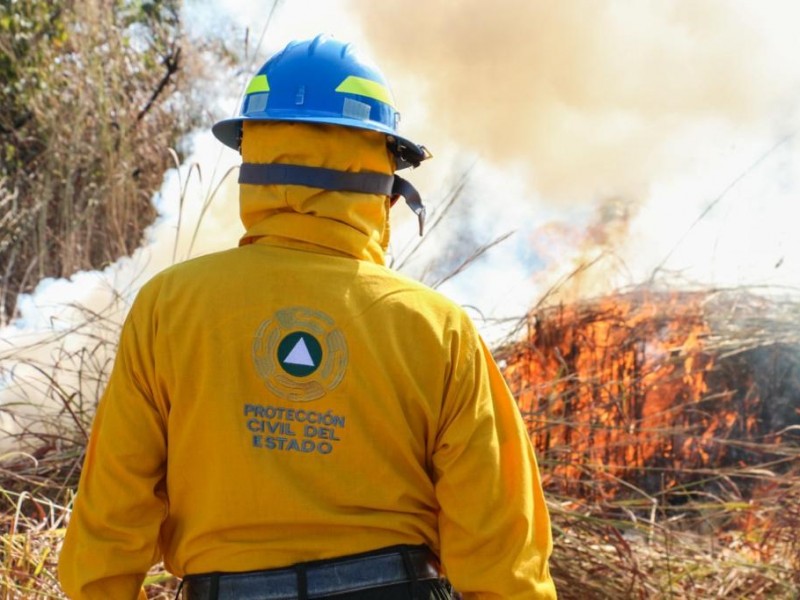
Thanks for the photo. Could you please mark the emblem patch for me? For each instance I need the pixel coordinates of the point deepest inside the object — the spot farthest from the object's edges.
(300, 354)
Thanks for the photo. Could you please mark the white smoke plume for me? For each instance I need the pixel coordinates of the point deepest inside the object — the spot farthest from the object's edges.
(55, 356)
(651, 107)
(591, 96)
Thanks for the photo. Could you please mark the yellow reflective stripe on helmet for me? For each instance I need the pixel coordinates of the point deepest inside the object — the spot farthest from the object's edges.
(366, 87)
(258, 83)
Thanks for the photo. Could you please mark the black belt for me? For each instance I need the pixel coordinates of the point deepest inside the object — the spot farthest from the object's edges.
(320, 578)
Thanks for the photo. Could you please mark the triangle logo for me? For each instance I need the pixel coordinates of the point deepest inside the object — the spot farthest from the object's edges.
(299, 355)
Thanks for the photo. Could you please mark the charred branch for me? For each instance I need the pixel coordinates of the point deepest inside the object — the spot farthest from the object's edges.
(172, 63)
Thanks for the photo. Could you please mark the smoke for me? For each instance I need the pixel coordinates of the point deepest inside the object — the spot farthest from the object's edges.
(656, 107)
(55, 356)
(587, 94)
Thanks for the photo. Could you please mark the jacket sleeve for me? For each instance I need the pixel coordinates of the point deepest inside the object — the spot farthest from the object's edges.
(494, 526)
(112, 537)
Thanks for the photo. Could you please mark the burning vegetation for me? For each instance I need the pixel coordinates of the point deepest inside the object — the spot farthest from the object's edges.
(678, 413)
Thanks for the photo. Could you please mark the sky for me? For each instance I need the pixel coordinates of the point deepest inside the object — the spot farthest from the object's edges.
(653, 140)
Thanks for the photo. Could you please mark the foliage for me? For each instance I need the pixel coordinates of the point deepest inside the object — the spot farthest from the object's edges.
(92, 95)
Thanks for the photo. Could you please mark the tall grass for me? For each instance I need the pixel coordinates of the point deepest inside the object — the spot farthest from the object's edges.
(668, 433)
(94, 98)
(637, 547)
(92, 95)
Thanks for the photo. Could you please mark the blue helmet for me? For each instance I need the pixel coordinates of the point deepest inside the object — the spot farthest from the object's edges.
(322, 81)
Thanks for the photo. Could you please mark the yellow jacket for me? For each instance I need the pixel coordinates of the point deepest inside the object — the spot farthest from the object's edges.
(282, 402)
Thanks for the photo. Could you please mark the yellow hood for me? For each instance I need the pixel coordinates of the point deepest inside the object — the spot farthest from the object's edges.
(339, 223)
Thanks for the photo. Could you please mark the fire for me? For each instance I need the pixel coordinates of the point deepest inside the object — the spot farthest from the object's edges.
(629, 392)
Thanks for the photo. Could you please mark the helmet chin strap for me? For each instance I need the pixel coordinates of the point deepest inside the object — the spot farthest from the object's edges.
(402, 187)
(365, 182)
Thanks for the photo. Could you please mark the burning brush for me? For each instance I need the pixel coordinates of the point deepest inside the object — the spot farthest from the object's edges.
(653, 394)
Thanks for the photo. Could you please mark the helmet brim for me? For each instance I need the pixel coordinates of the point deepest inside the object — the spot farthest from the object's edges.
(407, 153)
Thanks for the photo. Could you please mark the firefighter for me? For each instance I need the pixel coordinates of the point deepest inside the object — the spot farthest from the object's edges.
(292, 419)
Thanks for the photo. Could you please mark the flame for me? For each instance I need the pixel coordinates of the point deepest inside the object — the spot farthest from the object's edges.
(624, 392)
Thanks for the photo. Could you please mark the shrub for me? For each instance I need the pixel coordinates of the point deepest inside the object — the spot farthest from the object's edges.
(92, 95)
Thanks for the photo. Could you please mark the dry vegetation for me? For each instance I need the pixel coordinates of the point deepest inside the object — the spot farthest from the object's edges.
(724, 528)
(668, 430)
(92, 94)
(651, 497)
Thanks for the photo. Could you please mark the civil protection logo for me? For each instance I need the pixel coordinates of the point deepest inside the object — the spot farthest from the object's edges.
(300, 354)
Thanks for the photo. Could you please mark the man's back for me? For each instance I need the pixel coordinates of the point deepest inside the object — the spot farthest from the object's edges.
(313, 404)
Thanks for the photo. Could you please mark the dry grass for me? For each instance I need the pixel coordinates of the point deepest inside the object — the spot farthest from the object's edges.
(691, 553)
(693, 540)
(668, 431)
(56, 394)
(83, 133)
(597, 557)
